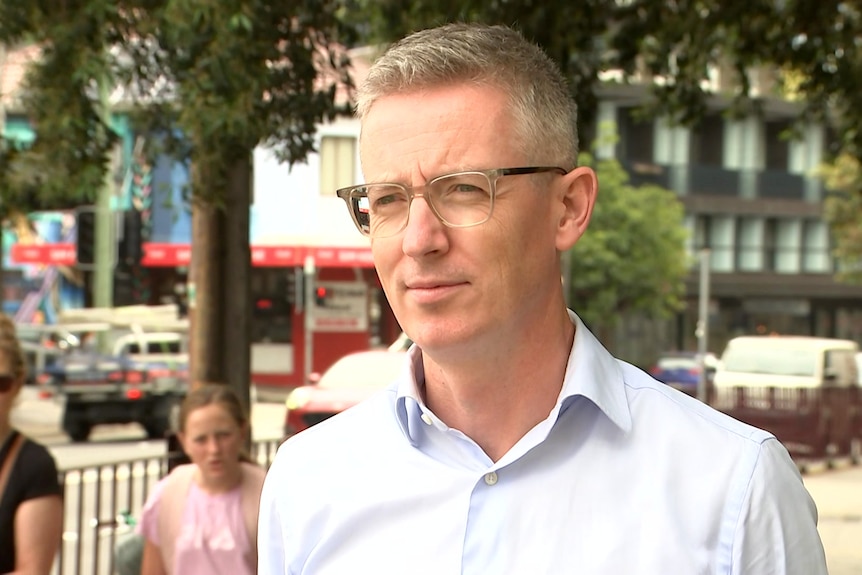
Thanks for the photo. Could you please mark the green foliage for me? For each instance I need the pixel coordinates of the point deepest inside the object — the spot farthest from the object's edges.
(632, 257)
(843, 210)
(225, 75)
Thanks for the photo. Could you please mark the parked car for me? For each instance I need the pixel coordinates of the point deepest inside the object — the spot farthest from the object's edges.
(787, 361)
(681, 369)
(348, 381)
(859, 368)
(142, 380)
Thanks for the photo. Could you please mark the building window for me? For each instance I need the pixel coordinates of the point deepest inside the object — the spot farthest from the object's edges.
(749, 244)
(781, 245)
(815, 247)
(636, 137)
(722, 236)
(770, 244)
(707, 142)
(716, 233)
(777, 145)
(337, 163)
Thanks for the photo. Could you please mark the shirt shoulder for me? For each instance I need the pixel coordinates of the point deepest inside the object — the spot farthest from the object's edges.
(649, 398)
(359, 435)
(148, 522)
(35, 473)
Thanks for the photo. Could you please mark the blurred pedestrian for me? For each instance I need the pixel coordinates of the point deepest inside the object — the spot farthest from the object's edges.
(513, 442)
(31, 498)
(201, 519)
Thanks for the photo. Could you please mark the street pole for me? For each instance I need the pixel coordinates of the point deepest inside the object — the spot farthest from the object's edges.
(2, 144)
(104, 228)
(310, 272)
(702, 331)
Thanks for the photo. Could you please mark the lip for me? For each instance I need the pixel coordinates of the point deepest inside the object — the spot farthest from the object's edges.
(432, 291)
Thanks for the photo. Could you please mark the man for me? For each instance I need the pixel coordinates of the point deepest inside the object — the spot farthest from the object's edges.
(513, 442)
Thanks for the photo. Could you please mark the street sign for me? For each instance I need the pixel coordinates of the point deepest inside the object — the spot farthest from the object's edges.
(340, 307)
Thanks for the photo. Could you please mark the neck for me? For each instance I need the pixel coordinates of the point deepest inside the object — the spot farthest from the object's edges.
(497, 396)
(223, 484)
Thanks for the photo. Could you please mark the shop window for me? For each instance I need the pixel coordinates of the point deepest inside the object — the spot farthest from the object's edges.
(337, 163)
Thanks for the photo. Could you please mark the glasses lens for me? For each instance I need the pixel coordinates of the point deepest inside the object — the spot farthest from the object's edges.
(6, 382)
(462, 199)
(386, 209)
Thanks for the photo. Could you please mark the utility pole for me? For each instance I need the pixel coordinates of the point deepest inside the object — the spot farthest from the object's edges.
(105, 237)
(702, 331)
(2, 144)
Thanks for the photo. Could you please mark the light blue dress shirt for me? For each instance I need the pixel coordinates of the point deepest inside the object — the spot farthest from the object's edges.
(625, 476)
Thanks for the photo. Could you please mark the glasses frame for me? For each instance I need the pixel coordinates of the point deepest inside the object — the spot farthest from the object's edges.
(351, 193)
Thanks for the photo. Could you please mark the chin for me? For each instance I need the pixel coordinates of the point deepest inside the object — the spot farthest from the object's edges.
(440, 336)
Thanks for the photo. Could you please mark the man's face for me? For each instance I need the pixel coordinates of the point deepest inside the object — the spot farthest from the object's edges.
(450, 287)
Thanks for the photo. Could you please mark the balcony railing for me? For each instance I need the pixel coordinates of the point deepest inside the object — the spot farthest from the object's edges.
(700, 179)
(645, 173)
(778, 184)
(713, 181)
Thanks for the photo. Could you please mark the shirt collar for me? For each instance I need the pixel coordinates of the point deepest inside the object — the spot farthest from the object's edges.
(592, 372)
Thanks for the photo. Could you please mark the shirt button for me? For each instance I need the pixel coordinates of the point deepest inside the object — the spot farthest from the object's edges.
(491, 478)
(426, 418)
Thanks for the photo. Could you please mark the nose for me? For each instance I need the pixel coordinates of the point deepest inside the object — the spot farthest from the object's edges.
(424, 233)
(213, 445)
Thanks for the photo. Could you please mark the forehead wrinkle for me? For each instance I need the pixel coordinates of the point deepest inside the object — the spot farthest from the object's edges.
(425, 161)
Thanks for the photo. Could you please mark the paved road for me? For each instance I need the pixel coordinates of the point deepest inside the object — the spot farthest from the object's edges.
(837, 492)
(40, 418)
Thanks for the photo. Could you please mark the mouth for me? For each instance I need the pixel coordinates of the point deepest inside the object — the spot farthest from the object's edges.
(432, 291)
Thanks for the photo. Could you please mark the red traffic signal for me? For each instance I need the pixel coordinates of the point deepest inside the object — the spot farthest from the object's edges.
(320, 296)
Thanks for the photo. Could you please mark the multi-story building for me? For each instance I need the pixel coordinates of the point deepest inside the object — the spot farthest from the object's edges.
(752, 198)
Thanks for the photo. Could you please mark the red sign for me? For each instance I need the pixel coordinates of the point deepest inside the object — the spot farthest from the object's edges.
(180, 255)
(49, 254)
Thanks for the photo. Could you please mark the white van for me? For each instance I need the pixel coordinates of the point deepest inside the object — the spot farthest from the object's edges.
(787, 361)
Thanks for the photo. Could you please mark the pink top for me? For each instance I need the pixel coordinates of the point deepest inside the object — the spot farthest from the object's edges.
(212, 539)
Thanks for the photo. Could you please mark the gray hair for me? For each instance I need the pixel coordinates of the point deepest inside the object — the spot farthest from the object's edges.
(545, 113)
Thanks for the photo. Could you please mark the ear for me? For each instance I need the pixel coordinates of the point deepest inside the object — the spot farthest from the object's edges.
(578, 196)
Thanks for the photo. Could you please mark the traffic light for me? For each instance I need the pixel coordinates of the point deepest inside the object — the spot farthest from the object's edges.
(130, 250)
(320, 295)
(85, 247)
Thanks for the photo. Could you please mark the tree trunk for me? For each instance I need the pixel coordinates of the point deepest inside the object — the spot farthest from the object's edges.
(220, 334)
(236, 279)
(205, 317)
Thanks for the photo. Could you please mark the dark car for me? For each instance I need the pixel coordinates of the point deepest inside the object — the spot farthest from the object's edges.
(681, 369)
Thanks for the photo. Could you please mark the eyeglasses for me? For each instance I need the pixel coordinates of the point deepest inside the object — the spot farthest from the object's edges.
(7, 380)
(459, 200)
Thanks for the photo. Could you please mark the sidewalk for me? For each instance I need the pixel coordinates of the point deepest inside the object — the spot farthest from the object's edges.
(838, 494)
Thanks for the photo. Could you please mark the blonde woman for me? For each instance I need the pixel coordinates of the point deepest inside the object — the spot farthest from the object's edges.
(202, 518)
(31, 502)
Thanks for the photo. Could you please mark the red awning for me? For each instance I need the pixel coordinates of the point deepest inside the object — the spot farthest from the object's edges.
(180, 255)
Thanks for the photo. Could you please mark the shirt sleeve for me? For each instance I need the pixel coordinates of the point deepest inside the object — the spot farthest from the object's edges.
(270, 543)
(39, 475)
(777, 529)
(148, 524)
